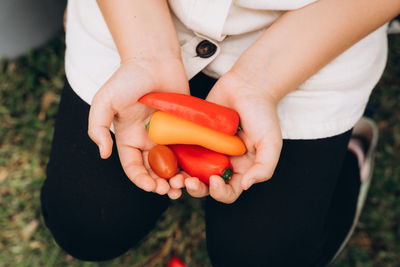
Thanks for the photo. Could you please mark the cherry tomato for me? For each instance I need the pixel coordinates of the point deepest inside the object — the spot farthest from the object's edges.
(163, 161)
(176, 262)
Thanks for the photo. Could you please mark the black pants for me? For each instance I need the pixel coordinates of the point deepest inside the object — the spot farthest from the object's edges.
(298, 218)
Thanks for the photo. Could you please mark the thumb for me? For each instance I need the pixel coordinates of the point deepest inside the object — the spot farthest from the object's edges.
(101, 115)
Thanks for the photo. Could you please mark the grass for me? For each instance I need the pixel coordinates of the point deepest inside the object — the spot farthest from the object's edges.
(30, 89)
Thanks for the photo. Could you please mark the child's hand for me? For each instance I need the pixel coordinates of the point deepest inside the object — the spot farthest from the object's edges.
(260, 132)
(117, 102)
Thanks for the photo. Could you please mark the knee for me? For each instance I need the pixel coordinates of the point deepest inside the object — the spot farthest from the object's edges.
(86, 233)
(243, 244)
(231, 250)
(93, 226)
(99, 243)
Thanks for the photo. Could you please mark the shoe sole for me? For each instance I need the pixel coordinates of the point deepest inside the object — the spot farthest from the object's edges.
(362, 195)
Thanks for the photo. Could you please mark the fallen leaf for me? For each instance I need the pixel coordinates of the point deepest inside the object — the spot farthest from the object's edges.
(165, 250)
(69, 258)
(29, 229)
(3, 174)
(36, 244)
(382, 125)
(47, 99)
(363, 241)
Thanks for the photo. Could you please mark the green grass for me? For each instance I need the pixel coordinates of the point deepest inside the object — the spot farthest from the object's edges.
(30, 89)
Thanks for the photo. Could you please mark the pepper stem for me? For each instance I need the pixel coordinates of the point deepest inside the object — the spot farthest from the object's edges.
(147, 126)
(227, 174)
(238, 129)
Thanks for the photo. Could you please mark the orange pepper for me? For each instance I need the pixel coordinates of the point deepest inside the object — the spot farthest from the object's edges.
(167, 129)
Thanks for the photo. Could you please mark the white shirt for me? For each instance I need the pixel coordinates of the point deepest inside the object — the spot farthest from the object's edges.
(327, 104)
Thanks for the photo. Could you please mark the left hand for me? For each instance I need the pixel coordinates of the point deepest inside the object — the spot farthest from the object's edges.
(260, 132)
(116, 101)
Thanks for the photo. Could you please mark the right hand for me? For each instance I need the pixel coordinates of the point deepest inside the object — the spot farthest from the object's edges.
(116, 102)
(260, 132)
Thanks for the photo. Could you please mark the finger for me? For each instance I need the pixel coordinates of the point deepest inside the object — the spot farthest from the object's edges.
(242, 163)
(134, 133)
(267, 156)
(132, 163)
(147, 165)
(174, 193)
(162, 186)
(100, 117)
(226, 193)
(177, 181)
(195, 188)
(151, 173)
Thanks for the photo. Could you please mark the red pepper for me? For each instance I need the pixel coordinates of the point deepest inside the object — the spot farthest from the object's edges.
(195, 109)
(176, 262)
(200, 162)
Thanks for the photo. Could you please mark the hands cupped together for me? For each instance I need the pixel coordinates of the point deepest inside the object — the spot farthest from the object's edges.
(116, 102)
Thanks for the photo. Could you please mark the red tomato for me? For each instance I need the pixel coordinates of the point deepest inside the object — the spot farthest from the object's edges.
(176, 262)
(163, 161)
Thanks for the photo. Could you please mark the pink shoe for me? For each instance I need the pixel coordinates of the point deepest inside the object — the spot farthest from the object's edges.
(362, 143)
(394, 26)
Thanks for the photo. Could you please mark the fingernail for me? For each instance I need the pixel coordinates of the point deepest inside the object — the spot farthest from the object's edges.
(177, 195)
(174, 195)
(191, 186)
(214, 183)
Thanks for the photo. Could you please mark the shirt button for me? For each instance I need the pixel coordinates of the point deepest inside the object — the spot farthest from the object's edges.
(206, 49)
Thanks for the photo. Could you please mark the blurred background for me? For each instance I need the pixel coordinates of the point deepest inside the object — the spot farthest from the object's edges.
(31, 78)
